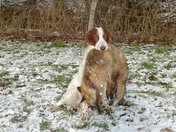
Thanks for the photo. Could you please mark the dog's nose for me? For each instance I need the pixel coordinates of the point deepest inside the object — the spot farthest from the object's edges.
(102, 47)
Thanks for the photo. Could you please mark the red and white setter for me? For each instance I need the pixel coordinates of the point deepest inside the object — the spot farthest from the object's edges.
(101, 79)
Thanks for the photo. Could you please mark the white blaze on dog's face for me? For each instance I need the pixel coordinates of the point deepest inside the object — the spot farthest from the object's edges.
(99, 38)
(101, 44)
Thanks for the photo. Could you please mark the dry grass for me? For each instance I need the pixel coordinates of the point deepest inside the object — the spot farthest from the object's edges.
(131, 23)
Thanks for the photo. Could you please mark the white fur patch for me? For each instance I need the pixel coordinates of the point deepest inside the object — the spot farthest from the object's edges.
(81, 67)
(101, 41)
(72, 97)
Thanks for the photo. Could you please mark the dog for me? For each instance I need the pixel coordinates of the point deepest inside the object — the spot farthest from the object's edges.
(101, 78)
(105, 73)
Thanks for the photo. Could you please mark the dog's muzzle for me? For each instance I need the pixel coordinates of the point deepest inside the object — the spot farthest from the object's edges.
(102, 48)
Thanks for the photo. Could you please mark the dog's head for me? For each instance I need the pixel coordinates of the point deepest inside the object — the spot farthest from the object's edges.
(99, 38)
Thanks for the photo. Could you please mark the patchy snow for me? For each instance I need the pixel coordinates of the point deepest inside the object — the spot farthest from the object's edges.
(33, 77)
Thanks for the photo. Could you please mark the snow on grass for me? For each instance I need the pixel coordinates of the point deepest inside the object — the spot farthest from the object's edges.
(35, 75)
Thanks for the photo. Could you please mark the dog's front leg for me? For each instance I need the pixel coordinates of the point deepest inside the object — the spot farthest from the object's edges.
(103, 94)
(85, 111)
(105, 102)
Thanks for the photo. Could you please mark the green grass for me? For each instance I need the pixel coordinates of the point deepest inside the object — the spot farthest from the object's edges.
(149, 92)
(26, 109)
(11, 49)
(60, 68)
(65, 111)
(136, 47)
(61, 79)
(171, 116)
(2, 74)
(153, 59)
(59, 44)
(27, 104)
(18, 118)
(44, 46)
(60, 130)
(87, 124)
(133, 75)
(4, 82)
(45, 125)
(167, 86)
(139, 84)
(173, 75)
(168, 66)
(161, 50)
(58, 98)
(1, 48)
(102, 125)
(153, 76)
(148, 65)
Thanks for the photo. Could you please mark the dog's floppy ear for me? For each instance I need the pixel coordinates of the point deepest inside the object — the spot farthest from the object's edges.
(91, 37)
(107, 36)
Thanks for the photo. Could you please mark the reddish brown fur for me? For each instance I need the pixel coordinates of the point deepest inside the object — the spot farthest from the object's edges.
(107, 36)
(104, 67)
(91, 37)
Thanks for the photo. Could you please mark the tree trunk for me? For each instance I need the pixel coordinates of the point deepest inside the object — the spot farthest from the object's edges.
(92, 14)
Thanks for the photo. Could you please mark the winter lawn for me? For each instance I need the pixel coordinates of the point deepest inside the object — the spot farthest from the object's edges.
(35, 75)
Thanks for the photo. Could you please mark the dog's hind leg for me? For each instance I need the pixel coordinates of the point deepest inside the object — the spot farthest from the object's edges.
(121, 89)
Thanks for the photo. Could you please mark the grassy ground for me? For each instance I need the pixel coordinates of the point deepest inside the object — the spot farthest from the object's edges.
(35, 75)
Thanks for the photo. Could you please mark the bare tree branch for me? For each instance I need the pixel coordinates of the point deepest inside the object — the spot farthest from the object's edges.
(92, 14)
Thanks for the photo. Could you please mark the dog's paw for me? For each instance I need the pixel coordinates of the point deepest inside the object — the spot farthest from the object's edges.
(54, 108)
(108, 110)
(115, 102)
(120, 102)
(56, 105)
(85, 115)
